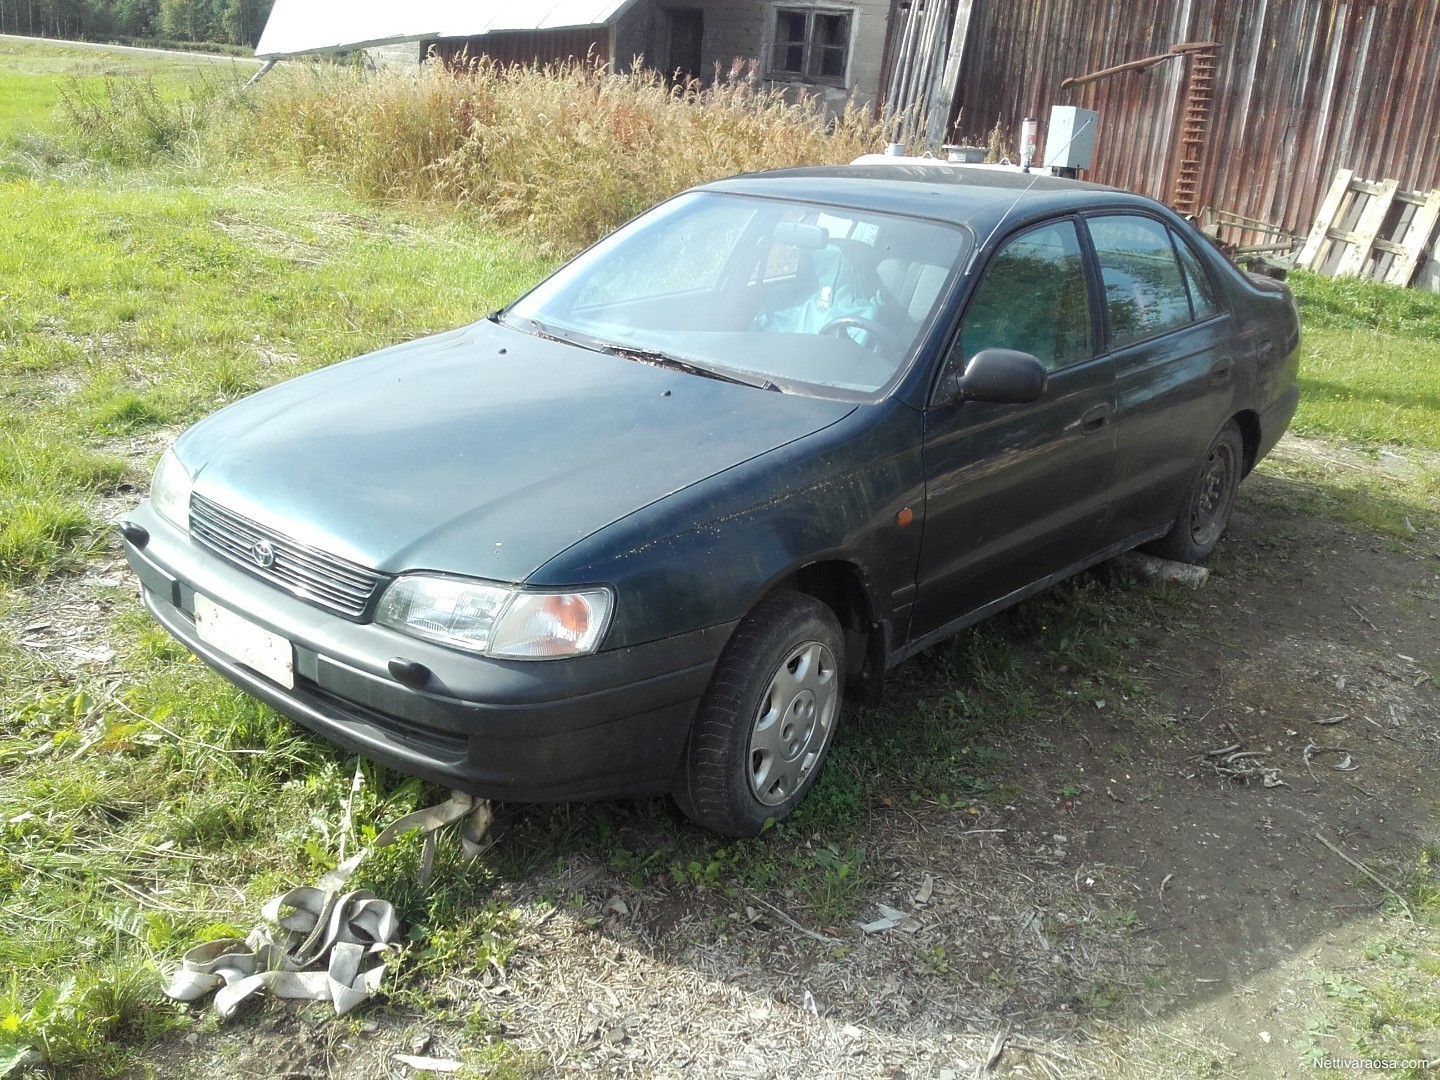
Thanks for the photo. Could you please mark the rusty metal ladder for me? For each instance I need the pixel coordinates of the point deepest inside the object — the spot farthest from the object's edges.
(1199, 97)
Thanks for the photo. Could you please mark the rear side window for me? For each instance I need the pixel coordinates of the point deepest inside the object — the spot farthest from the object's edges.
(1033, 298)
(1202, 289)
(1145, 290)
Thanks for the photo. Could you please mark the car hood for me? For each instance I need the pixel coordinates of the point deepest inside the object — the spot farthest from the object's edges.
(483, 451)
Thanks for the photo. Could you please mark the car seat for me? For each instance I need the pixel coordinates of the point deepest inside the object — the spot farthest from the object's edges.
(837, 291)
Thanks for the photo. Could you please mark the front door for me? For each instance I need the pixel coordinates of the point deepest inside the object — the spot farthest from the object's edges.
(687, 31)
(1015, 493)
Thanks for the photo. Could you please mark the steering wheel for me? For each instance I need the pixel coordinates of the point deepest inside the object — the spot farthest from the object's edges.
(880, 334)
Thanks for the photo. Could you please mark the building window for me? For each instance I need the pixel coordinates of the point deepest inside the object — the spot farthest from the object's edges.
(811, 45)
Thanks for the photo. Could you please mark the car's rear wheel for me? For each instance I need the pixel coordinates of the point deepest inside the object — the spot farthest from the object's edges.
(1209, 501)
(767, 721)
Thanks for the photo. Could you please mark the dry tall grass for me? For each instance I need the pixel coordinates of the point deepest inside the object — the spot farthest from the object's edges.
(562, 154)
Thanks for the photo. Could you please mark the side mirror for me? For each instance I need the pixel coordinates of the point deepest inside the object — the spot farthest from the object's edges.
(1002, 377)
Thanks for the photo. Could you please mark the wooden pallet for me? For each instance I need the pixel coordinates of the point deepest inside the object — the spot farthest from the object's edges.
(1371, 230)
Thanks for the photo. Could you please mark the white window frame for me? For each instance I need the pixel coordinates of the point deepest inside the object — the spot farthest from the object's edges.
(810, 10)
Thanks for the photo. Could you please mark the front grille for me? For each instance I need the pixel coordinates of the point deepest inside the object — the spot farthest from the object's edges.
(317, 577)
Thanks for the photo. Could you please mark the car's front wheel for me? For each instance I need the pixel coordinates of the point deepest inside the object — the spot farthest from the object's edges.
(1208, 502)
(768, 719)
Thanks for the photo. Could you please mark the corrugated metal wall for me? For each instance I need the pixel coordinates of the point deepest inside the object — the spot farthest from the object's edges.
(1303, 87)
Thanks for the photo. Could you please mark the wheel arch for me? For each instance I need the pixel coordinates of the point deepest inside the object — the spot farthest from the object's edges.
(842, 586)
(1248, 421)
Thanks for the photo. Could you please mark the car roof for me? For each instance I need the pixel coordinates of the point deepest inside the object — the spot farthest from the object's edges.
(982, 197)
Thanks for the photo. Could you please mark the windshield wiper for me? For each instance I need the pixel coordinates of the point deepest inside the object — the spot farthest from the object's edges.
(654, 357)
(665, 360)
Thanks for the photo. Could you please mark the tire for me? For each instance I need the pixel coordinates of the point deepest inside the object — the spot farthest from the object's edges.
(768, 720)
(1208, 503)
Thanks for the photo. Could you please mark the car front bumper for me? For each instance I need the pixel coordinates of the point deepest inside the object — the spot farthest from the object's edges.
(612, 724)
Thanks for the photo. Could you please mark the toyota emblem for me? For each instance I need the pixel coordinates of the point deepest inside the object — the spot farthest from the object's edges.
(262, 554)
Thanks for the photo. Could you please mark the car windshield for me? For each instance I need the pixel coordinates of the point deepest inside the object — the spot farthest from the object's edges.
(788, 295)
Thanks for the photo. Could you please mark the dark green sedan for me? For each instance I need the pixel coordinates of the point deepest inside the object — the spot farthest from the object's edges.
(640, 532)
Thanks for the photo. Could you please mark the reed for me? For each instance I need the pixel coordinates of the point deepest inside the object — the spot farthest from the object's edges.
(561, 154)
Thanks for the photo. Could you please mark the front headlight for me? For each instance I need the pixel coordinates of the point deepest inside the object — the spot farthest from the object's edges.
(497, 620)
(170, 490)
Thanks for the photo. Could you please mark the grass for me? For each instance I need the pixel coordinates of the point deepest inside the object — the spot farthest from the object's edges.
(562, 155)
(35, 75)
(1388, 1006)
(148, 805)
(1371, 366)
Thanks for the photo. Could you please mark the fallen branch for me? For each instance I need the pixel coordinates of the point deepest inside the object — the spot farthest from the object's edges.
(788, 921)
(1366, 871)
(1360, 615)
(997, 1050)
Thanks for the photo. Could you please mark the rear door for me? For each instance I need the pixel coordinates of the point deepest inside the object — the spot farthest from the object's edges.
(1173, 349)
(1017, 492)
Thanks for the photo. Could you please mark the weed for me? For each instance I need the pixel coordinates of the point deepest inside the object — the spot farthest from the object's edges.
(1310, 1045)
(707, 873)
(130, 120)
(500, 1061)
(564, 153)
(1101, 995)
(833, 882)
(934, 959)
(1118, 920)
(1342, 987)
(38, 536)
(128, 412)
(638, 869)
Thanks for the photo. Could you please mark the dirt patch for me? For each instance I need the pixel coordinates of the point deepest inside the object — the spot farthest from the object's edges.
(1147, 900)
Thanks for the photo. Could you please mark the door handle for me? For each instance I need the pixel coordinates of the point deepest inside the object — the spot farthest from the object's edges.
(1095, 420)
(1220, 370)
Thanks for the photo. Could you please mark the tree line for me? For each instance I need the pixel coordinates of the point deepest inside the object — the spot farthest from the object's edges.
(234, 22)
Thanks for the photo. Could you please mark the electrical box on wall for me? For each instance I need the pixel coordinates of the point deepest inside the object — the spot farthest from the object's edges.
(1070, 139)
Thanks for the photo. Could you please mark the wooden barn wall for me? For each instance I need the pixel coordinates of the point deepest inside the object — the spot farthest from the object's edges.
(1303, 87)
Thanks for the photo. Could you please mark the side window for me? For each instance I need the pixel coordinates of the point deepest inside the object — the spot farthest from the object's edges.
(1202, 289)
(1145, 292)
(1033, 298)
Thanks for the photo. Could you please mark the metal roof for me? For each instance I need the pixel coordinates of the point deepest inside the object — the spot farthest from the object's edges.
(318, 26)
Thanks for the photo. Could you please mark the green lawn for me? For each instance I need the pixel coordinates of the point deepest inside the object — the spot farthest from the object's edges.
(34, 74)
(1370, 386)
(1371, 365)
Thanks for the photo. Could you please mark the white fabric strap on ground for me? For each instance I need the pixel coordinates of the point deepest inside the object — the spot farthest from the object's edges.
(324, 945)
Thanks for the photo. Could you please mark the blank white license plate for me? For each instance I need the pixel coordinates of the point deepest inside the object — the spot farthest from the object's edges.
(238, 638)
